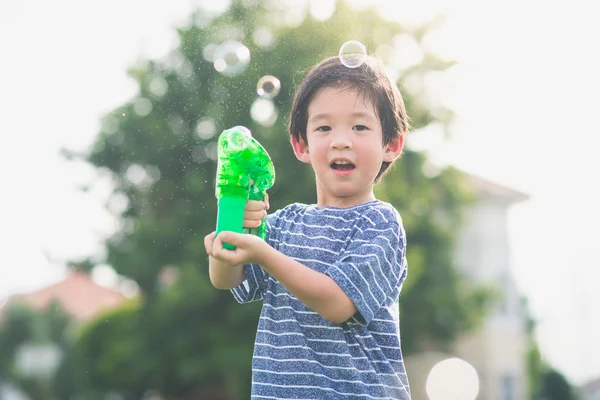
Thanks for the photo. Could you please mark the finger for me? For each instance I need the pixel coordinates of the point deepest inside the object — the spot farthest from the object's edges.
(208, 242)
(218, 251)
(266, 200)
(257, 215)
(232, 238)
(251, 223)
(255, 205)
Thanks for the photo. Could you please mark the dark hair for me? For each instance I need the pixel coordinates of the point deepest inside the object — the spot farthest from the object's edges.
(369, 79)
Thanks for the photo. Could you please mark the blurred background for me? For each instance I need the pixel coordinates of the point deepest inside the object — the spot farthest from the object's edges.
(110, 115)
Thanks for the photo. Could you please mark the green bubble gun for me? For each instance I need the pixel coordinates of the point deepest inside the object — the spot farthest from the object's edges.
(244, 172)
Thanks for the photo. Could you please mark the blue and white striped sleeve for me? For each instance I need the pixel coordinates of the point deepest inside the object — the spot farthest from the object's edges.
(372, 268)
(253, 287)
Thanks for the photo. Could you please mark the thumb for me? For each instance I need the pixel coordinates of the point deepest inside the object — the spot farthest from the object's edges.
(231, 238)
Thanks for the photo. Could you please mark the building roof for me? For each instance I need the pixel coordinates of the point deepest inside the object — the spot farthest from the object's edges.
(77, 294)
(492, 189)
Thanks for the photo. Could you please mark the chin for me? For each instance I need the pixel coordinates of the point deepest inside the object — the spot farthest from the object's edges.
(345, 193)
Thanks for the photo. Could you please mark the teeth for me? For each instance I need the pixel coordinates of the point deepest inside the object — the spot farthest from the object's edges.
(342, 162)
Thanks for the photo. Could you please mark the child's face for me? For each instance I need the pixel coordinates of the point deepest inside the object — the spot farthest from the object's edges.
(345, 147)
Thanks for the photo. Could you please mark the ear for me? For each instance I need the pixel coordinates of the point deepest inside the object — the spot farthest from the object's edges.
(393, 149)
(300, 149)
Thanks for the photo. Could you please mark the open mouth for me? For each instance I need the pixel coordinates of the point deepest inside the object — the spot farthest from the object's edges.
(342, 165)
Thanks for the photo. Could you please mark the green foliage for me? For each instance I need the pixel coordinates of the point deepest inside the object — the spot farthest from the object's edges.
(556, 387)
(544, 382)
(535, 363)
(189, 338)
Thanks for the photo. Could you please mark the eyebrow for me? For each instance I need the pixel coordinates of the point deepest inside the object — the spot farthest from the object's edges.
(359, 114)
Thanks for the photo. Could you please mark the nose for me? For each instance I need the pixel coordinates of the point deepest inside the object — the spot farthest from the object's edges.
(340, 140)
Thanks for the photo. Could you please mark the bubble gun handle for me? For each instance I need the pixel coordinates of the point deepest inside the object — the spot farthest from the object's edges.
(244, 172)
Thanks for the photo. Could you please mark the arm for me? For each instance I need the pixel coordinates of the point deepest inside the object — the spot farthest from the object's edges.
(367, 276)
(223, 276)
(317, 290)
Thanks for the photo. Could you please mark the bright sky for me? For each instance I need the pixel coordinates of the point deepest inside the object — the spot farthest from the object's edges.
(526, 96)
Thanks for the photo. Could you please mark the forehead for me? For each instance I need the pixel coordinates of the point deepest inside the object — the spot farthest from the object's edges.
(341, 99)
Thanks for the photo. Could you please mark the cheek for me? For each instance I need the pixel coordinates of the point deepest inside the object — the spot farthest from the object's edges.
(316, 148)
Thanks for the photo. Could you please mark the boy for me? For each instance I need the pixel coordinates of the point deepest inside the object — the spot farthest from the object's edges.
(329, 274)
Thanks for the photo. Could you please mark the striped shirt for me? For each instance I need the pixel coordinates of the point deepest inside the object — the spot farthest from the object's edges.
(298, 354)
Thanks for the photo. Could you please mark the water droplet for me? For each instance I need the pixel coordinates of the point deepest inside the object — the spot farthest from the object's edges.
(353, 54)
(268, 86)
(231, 58)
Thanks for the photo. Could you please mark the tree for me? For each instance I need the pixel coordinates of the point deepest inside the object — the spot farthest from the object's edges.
(544, 382)
(556, 387)
(159, 149)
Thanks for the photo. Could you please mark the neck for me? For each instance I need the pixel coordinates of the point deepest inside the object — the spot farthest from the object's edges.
(343, 202)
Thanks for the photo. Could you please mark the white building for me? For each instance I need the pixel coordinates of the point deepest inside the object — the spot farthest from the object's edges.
(497, 351)
(591, 390)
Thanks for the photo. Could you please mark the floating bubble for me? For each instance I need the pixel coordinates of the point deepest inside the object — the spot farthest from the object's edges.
(205, 128)
(142, 106)
(118, 203)
(110, 125)
(135, 174)
(199, 155)
(268, 86)
(211, 150)
(264, 112)
(231, 58)
(158, 86)
(353, 54)
(209, 52)
(452, 379)
(322, 10)
(263, 38)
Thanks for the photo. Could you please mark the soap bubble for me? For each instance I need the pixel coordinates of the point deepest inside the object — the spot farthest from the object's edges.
(268, 86)
(142, 106)
(205, 128)
(353, 53)
(231, 58)
(264, 112)
(452, 379)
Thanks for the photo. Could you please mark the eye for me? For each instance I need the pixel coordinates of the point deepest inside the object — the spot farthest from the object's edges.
(324, 128)
(360, 128)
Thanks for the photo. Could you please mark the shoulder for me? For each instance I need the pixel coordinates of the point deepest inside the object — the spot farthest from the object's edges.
(286, 213)
(290, 210)
(381, 219)
(381, 213)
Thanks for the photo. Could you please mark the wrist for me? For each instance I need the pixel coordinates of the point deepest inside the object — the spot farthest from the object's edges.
(263, 254)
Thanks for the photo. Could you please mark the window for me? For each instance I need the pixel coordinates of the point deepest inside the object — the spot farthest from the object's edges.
(508, 388)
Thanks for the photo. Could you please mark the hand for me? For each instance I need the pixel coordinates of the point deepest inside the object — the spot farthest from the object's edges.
(250, 249)
(254, 212)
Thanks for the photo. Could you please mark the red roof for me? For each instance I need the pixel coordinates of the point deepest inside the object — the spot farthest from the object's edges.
(77, 294)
